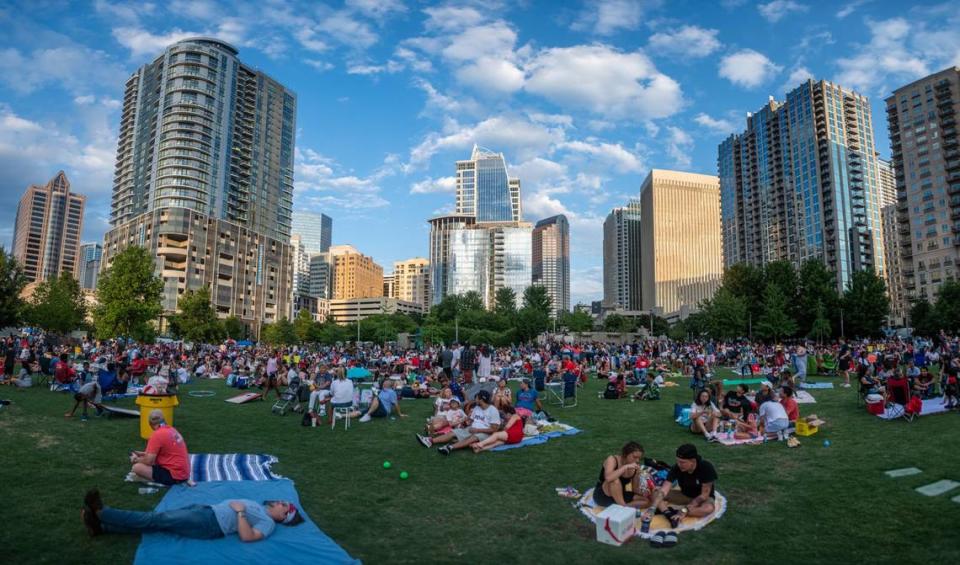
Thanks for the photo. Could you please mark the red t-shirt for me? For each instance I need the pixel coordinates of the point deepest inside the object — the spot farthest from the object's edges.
(171, 452)
(792, 408)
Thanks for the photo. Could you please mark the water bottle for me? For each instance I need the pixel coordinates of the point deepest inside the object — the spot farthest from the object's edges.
(645, 523)
(148, 490)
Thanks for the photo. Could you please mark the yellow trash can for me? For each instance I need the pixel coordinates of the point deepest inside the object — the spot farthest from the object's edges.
(149, 402)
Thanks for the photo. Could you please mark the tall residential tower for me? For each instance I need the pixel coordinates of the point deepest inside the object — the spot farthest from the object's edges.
(621, 258)
(46, 233)
(551, 260)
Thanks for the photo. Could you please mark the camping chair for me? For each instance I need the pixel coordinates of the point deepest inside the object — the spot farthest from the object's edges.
(829, 366)
(898, 399)
(565, 392)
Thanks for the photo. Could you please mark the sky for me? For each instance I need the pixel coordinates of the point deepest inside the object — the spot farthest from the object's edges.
(583, 98)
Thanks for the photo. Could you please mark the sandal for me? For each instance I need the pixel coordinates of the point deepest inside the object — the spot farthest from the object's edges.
(656, 541)
(670, 539)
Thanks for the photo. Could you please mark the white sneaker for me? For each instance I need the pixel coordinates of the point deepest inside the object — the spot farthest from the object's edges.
(365, 418)
(846, 385)
(338, 415)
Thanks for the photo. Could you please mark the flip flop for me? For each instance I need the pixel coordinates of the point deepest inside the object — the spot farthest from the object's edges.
(670, 539)
(656, 541)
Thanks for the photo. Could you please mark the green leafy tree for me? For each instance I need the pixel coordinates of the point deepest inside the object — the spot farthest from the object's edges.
(784, 276)
(531, 322)
(576, 321)
(617, 323)
(660, 325)
(234, 328)
(304, 326)
(57, 305)
(817, 286)
(923, 318)
(12, 281)
(775, 322)
(128, 294)
(947, 307)
(726, 315)
(747, 282)
(505, 302)
(865, 304)
(820, 329)
(196, 321)
(536, 298)
(471, 301)
(279, 333)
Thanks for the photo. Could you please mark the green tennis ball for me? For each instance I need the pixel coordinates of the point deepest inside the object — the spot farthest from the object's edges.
(387, 465)
(404, 475)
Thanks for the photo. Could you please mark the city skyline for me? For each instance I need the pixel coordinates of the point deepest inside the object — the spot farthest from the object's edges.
(688, 82)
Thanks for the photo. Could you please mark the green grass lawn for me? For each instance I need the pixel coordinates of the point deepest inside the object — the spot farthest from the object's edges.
(812, 504)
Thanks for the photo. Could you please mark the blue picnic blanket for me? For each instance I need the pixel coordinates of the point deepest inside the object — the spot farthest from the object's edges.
(206, 467)
(537, 439)
(304, 543)
(817, 385)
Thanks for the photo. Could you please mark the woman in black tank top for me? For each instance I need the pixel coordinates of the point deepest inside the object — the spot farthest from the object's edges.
(619, 480)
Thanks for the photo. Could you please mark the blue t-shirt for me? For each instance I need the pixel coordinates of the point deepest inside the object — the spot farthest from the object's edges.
(527, 399)
(388, 399)
(255, 513)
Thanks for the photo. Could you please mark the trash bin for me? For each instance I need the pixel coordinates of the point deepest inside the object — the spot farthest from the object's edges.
(149, 402)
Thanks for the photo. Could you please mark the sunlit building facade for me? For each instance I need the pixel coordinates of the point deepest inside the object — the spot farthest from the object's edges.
(47, 228)
(315, 230)
(355, 275)
(621, 258)
(551, 260)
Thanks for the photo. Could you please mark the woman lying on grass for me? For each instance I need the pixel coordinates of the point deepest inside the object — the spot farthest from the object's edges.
(511, 433)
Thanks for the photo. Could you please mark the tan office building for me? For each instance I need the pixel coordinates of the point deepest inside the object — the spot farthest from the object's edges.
(46, 235)
(681, 253)
(891, 244)
(411, 281)
(347, 311)
(354, 274)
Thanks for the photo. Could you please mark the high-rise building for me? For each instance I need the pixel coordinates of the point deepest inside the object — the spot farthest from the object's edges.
(321, 276)
(389, 285)
(681, 255)
(925, 151)
(204, 179)
(300, 265)
(315, 230)
(891, 243)
(485, 245)
(551, 260)
(411, 281)
(354, 274)
(801, 182)
(46, 232)
(90, 256)
(621, 258)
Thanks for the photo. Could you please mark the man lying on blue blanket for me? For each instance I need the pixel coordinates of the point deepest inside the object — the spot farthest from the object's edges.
(248, 519)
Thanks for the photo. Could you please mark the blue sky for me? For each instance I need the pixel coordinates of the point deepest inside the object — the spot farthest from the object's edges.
(583, 98)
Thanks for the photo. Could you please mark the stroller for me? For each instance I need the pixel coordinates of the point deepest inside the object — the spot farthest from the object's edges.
(290, 396)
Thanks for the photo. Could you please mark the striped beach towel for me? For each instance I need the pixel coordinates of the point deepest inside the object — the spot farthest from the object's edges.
(232, 467)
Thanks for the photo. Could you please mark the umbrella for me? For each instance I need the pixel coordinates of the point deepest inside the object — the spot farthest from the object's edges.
(245, 343)
(358, 373)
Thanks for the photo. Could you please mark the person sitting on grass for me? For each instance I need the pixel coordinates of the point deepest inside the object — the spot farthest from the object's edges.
(736, 404)
(484, 420)
(651, 390)
(695, 478)
(924, 386)
(444, 422)
(89, 394)
(746, 427)
(528, 400)
(764, 394)
(773, 420)
(512, 432)
(790, 405)
(166, 460)
(619, 480)
(64, 375)
(704, 416)
(384, 403)
(251, 521)
(502, 395)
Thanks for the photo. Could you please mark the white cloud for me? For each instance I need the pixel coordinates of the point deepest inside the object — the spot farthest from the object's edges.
(496, 39)
(551, 119)
(604, 81)
(126, 12)
(318, 182)
(318, 64)
(688, 41)
(549, 176)
(377, 9)
(607, 17)
(198, 9)
(142, 43)
(413, 60)
(434, 185)
(348, 30)
(450, 17)
(309, 40)
(613, 154)
(679, 145)
(390, 67)
(440, 102)
(75, 68)
(491, 75)
(850, 8)
(716, 125)
(797, 76)
(748, 68)
(775, 11)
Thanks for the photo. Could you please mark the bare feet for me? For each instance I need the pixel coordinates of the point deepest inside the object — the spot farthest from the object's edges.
(68, 415)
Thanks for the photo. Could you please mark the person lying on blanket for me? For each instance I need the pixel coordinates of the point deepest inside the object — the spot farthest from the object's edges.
(250, 520)
(512, 432)
(166, 460)
(622, 480)
(695, 478)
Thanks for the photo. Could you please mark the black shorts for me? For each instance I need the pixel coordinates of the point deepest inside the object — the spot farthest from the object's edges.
(601, 498)
(379, 412)
(162, 475)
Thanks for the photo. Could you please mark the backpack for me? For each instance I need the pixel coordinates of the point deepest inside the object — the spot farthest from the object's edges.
(611, 392)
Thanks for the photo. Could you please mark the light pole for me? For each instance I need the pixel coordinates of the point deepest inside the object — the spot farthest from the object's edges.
(841, 322)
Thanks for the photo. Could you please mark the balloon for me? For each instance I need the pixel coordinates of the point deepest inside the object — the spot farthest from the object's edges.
(387, 465)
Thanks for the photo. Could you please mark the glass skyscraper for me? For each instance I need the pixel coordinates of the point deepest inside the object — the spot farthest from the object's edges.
(551, 260)
(621, 257)
(315, 230)
(484, 190)
(802, 182)
(90, 255)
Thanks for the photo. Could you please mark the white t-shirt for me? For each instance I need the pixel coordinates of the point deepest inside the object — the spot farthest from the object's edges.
(342, 391)
(485, 417)
(454, 417)
(770, 411)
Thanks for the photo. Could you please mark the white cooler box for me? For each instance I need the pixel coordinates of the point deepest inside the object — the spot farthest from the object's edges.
(616, 524)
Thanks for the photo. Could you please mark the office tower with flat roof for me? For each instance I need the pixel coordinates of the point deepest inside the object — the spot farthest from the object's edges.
(321, 276)
(204, 179)
(355, 275)
(681, 255)
(411, 281)
(802, 182)
(314, 229)
(621, 258)
(925, 151)
(485, 245)
(551, 260)
(47, 228)
(90, 256)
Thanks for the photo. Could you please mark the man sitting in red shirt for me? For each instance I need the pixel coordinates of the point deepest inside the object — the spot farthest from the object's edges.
(790, 405)
(166, 460)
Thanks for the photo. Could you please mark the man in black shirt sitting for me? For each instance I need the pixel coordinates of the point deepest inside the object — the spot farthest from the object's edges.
(695, 478)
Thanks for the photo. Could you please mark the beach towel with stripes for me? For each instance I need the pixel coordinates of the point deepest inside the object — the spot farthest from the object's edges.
(206, 467)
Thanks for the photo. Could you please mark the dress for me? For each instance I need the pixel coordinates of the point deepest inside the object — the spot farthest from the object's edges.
(515, 432)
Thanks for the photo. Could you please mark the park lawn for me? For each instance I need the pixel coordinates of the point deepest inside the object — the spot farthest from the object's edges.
(812, 504)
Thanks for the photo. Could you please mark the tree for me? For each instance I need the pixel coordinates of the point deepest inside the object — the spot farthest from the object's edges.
(303, 326)
(784, 276)
(471, 301)
(726, 315)
(57, 305)
(865, 304)
(747, 282)
(617, 323)
(233, 328)
(774, 321)
(12, 281)
(128, 293)
(660, 325)
(196, 321)
(505, 302)
(817, 286)
(820, 329)
(279, 333)
(536, 298)
(531, 322)
(947, 307)
(576, 321)
(923, 318)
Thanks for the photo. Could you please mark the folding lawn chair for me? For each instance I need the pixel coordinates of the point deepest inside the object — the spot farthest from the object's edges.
(899, 399)
(565, 392)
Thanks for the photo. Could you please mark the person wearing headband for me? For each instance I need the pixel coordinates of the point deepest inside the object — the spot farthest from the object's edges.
(250, 521)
